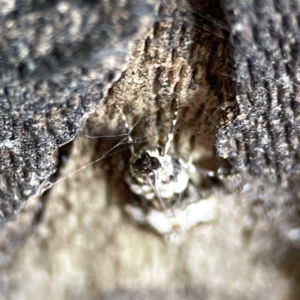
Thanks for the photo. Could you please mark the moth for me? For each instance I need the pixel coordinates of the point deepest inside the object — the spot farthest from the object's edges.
(170, 202)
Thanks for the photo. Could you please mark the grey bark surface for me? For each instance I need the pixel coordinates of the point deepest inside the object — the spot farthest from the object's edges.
(229, 67)
(57, 61)
(264, 137)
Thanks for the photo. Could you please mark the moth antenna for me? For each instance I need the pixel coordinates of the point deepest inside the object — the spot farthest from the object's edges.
(128, 130)
(170, 136)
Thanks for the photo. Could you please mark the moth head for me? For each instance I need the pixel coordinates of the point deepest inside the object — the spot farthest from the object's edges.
(146, 163)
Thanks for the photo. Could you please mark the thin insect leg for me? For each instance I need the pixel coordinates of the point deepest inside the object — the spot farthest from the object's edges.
(114, 135)
(50, 184)
(204, 142)
(47, 184)
(177, 202)
(105, 136)
(163, 204)
(209, 19)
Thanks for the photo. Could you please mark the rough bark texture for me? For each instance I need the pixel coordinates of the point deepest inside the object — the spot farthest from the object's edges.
(75, 242)
(263, 138)
(57, 60)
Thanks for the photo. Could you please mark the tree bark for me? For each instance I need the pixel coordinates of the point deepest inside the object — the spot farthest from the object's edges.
(233, 72)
